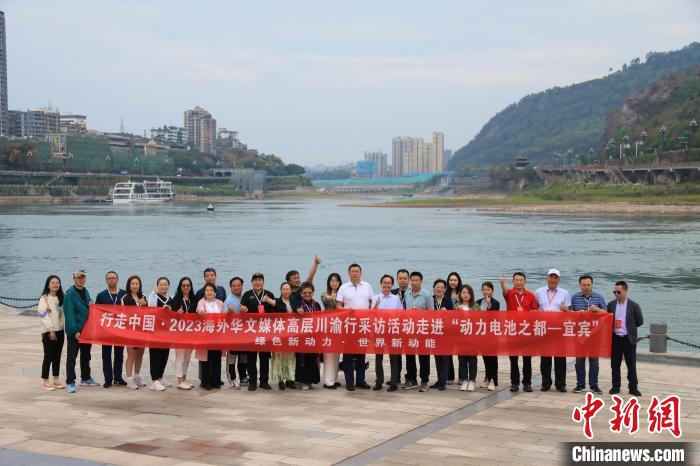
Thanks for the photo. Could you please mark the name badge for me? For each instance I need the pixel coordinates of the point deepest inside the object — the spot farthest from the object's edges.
(520, 309)
(261, 309)
(618, 323)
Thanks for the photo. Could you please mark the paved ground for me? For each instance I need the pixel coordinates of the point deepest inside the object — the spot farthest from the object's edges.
(319, 427)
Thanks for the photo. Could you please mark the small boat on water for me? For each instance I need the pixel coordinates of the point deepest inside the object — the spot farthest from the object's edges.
(210, 208)
(145, 192)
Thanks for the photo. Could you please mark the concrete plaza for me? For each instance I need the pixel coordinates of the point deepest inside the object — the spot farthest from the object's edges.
(317, 427)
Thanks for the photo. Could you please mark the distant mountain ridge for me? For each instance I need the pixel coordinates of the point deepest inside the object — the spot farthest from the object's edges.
(563, 118)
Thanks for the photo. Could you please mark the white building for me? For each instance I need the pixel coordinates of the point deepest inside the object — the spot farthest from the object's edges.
(201, 130)
(414, 155)
(381, 160)
(174, 134)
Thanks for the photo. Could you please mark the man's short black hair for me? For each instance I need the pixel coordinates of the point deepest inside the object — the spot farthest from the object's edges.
(402, 271)
(622, 283)
(416, 274)
(290, 274)
(354, 265)
(209, 269)
(585, 277)
(522, 274)
(386, 275)
(230, 282)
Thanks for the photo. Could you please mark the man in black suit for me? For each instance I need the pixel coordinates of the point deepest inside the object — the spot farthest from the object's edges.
(627, 317)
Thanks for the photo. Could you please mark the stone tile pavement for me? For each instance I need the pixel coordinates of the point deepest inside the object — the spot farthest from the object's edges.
(318, 427)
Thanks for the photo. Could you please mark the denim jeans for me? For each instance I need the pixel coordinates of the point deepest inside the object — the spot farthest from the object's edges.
(581, 372)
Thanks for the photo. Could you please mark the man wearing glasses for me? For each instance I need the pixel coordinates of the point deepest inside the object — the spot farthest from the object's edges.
(627, 317)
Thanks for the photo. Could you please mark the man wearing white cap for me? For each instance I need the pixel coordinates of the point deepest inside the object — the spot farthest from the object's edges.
(551, 298)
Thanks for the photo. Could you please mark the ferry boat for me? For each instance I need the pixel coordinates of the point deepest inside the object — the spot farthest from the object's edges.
(146, 192)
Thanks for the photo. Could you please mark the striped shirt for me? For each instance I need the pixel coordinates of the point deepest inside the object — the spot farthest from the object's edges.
(579, 302)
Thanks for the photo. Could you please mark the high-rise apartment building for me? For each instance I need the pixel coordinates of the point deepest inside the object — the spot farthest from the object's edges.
(4, 114)
(411, 155)
(201, 130)
(36, 124)
(381, 160)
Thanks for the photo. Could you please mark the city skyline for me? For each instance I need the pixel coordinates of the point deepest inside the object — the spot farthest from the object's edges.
(321, 84)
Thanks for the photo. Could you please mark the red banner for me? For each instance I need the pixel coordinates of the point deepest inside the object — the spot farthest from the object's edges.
(580, 334)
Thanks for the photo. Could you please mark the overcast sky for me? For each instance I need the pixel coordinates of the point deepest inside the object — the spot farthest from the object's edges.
(321, 81)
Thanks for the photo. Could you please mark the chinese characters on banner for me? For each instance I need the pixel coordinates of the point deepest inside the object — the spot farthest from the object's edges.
(579, 334)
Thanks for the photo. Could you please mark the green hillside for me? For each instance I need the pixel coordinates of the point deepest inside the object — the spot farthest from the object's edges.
(673, 103)
(566, 118)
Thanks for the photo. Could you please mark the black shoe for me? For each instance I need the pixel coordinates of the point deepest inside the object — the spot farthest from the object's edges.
(252, 388)
(120, 382)
(527, 388)
(578, 389)
(106, 385)
(350, 388)
(635, 392)
(363, 385)
(265, 386)
(596, 390)
(366, 365)
(206, 387)
(290, 384)
(614, 391)
(337, 384)
(244, 380)
(435, 385)
(441, 387)
(562, 389)
(514, 388)
(216, 387)
(377, 387)
(545, 388)
(392, 388)
(329, 387)
(219, 384)
(281, 385)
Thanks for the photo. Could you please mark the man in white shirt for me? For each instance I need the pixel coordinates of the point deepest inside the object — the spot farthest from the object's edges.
(551, 298)
(355, 294)
(387, 300)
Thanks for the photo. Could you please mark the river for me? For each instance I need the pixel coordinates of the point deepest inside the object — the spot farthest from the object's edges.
(657, 256)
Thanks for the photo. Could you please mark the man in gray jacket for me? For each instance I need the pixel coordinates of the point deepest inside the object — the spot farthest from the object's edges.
(627, 317)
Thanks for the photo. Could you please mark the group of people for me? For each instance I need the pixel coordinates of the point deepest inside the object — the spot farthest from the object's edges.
(63, 316)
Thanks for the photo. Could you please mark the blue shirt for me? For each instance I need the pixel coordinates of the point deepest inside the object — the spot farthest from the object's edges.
(621, 315)
(105, 297)
(422, 300)
(234, 302)
(579, 302)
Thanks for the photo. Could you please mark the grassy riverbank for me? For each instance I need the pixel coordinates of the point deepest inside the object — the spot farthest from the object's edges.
(570, 197)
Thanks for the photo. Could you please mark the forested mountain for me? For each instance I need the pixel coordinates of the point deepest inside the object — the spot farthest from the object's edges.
(567, 118)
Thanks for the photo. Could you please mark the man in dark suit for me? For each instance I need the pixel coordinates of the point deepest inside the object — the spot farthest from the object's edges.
(627, 317)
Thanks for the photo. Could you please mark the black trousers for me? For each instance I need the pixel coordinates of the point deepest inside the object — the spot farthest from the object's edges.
(395, 363)
(559, 371)
(211, 369)
(72, 354)
(159, 359)
(241, 368)
(622, 348)
(252, 368)
(52, 354)
(411, 370)
(515, 370)
(354, 369)
(491, 368)
(111, 372)
(467, 368)
(450, 368)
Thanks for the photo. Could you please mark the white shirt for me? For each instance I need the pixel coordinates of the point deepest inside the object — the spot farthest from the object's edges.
(387, 302)
(355, 296)
(212, 307)
(551, 300)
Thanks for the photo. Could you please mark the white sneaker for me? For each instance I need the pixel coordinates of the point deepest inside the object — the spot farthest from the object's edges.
(138, 380)
(463, 387)
(485, 383)
(471, 386)
(305, 387)
(165, 383)
(130, 384)
(184, 386)
(235, 385)
(492, 386)
(157, 386)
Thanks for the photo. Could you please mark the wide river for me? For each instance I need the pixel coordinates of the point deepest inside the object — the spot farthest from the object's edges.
(658, 256)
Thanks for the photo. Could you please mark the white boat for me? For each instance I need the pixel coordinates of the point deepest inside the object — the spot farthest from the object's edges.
(146, 192)
(210, 208)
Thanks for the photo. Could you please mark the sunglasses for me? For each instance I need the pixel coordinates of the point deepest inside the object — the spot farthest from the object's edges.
(617, 292)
